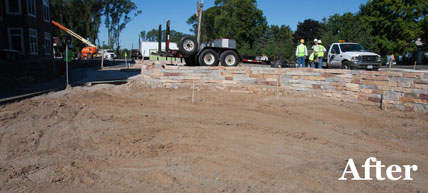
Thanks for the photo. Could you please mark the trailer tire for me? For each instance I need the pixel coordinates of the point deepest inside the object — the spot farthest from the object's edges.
(229, 58)
(208, 58)
(188, 46)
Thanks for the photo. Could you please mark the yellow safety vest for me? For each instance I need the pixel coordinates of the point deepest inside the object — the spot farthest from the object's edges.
(311, 57)
(301, 50)
(321, 50)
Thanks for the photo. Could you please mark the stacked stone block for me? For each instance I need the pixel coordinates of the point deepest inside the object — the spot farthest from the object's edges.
(404, 90)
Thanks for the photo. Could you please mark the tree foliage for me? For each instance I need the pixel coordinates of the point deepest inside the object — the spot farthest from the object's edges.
(118, 13)
(348, 27)
(152, 35)
(207, 28)
(382, 26)
(234, 19)
(395, 24)
(277, 41)
(82, 17)
(308, 30)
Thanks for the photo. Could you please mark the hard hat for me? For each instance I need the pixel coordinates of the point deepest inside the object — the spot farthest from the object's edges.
(315, 40)
(319, 41)
(302, 41)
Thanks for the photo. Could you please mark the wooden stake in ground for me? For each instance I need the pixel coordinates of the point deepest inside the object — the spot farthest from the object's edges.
(193, 93)
(414, 68)
(277, 82)
(390, 64)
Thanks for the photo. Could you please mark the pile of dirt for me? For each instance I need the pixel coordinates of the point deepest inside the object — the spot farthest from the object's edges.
(136, 139)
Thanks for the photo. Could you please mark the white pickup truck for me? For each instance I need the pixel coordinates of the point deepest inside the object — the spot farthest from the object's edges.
(347, 55)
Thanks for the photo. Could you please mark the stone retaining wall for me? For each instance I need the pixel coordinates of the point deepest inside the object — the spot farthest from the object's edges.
(407, 91)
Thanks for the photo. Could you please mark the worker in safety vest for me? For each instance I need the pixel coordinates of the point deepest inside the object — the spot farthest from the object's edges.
(311, 59)
(315, 53)
(301, 54)
(321, 52)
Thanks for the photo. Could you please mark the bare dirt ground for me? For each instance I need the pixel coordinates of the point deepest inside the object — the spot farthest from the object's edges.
(129, 139)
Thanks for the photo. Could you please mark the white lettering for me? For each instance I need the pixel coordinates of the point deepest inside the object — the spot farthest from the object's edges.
(393, 169)
(367, 167)
(407, 171)
(393, 172)
(379, 167)
(354, 171)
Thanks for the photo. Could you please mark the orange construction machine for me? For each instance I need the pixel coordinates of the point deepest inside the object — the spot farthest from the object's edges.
(87, 52)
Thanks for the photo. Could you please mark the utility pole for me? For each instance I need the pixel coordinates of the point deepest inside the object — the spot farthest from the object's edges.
(199, 15)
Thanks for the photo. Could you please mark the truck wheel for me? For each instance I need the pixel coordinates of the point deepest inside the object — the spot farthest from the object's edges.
(188, 46)
(208, 58)
(229, 58)
(346, 65)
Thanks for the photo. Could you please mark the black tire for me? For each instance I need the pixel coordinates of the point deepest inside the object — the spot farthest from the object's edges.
(229, 58)
(276, 64)
(188, 46)
(346, 65)
(190, 61)
(208, 58)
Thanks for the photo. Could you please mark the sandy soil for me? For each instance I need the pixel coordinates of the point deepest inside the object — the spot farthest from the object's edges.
(129, 139)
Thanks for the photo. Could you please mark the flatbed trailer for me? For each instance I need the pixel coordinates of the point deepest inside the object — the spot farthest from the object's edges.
(256, 60)
(220, 51)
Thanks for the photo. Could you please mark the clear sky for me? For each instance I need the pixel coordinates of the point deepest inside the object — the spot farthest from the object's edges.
(278, 12)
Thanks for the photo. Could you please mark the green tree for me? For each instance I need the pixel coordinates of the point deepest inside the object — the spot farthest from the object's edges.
(348, 27)
(152, 35)
(207, 27)
(277, 41)
(85, 22)
(234, 19)
(118, 13)
(424, 24)
(395, 24)
(308, 30)
(143, 35)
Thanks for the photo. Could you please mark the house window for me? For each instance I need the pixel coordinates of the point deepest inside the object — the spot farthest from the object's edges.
(48, 44)
(13, 7)
(34, 46)
(31, 5)
(46, 11)
(16, 39)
